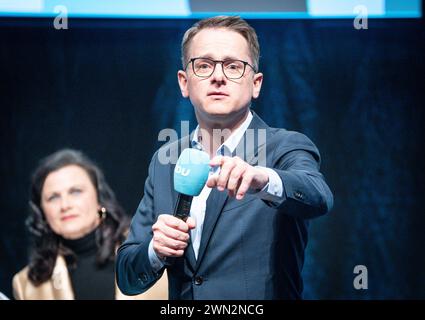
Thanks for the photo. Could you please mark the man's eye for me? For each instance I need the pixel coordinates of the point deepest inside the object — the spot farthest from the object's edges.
(233, 66)
(204, 66)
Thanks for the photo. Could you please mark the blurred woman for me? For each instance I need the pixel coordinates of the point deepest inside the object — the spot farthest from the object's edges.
(76, 224)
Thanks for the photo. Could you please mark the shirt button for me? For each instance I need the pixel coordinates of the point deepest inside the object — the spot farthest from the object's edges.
(198, 280)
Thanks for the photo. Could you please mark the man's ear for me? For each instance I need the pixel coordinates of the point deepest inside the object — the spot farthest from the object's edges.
(257, 82)
(182, 79)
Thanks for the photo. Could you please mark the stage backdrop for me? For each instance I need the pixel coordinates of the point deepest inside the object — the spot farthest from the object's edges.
(108, 87)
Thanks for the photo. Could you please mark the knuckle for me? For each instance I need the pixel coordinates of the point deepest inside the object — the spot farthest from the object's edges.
(174, 222)
(156, 243)
(248, 176)
(235, 174)
(157, 224)
(221, 181)
(183, 237)
(183, 227)
(180, 245)
(176, 235)
(163, 217)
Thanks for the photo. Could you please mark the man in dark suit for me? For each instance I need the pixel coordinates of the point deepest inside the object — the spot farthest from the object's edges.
(247, 232)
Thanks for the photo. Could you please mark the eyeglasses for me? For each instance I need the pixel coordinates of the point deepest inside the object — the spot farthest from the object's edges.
(205, 67)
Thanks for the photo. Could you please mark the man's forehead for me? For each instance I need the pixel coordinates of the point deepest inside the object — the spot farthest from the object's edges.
(219, 43)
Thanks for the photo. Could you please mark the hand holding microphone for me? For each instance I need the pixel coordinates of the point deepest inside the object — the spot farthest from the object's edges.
(171, 232)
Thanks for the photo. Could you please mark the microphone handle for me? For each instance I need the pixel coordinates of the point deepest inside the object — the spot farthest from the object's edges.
(182, 209)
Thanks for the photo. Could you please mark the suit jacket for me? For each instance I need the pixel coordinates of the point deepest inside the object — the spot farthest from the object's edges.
(59, 286)
(250, 248)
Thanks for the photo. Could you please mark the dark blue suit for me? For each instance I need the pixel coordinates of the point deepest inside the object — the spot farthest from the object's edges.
(250, 249)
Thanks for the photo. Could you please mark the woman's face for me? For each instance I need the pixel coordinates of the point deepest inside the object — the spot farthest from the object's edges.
(69, 201)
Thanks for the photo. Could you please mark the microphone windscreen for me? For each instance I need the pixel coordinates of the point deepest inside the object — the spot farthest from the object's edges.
(191, 172)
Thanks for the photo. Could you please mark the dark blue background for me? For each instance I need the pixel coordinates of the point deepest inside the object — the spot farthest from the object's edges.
(108, 87)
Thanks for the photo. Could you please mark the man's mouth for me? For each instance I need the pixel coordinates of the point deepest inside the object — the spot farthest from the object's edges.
(217, 94)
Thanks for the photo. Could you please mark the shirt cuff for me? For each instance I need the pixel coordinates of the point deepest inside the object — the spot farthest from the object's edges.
(273, 190)
(156, 262)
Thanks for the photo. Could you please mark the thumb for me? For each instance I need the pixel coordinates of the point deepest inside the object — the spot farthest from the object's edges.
(191, 223)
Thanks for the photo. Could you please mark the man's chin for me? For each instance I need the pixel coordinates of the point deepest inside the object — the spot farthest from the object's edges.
(218, 110)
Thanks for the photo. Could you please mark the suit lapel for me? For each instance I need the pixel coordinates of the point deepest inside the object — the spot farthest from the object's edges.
(251, 145)
(190, 255)
(214, 206)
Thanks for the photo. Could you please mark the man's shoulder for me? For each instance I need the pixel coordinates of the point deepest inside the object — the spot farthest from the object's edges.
(283, 141)
(280, 135)
(290, 137)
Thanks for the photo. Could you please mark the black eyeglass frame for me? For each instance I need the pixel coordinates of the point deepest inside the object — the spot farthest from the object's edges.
(192, 60)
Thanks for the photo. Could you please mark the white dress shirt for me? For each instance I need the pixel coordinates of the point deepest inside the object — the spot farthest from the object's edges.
(271, 192)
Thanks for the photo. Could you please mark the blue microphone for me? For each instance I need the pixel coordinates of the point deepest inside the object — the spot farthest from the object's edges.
(190, 175)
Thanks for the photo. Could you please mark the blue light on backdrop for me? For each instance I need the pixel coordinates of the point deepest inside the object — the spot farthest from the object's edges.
(273, 9)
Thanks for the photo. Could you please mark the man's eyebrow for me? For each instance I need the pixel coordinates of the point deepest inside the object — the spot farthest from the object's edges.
(224, 59)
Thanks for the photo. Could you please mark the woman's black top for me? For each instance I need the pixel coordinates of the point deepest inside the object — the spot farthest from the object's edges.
(88, 280)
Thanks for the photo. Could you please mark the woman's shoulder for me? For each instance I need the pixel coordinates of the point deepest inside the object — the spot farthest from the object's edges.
(19, 282)
(21, 274)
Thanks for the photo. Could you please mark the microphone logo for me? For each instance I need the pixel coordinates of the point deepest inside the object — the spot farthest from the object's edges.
(182, 171)
(191, 172)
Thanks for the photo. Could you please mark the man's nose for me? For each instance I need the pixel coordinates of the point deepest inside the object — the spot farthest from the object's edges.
(218, 74)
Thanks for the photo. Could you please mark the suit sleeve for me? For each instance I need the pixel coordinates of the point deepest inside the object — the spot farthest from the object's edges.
(305, 192)
(134, 272)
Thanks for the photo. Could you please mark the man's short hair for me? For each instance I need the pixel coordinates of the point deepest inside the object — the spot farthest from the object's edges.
(233, 23)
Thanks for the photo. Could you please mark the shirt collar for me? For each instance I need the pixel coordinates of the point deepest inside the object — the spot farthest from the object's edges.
(227, 148)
